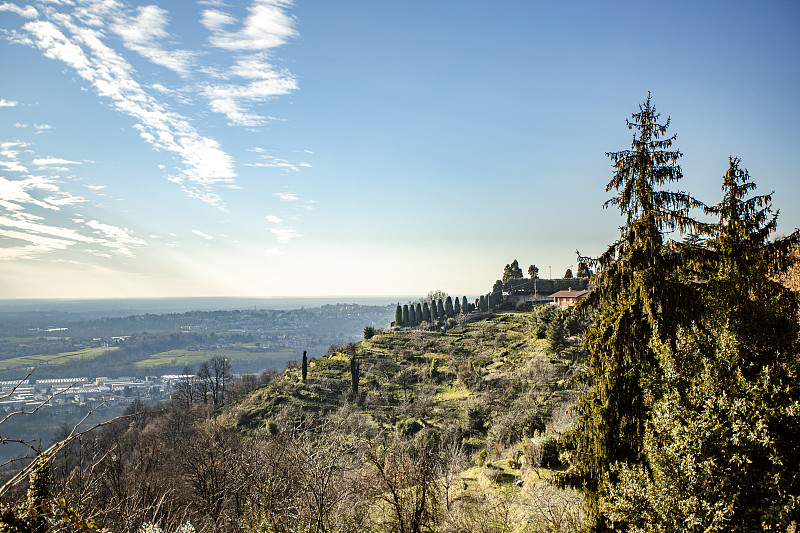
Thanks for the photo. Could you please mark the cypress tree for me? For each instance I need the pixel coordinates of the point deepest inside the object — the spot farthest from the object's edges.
(419, 314)
(482, 303)
(398, 316)
(434, 312)
(305, 365)
(426, 312)
(354, 375)
(412, 315)
(457, 307)
(440, 309)
(448, 307)
(406, 315)
(636, 298)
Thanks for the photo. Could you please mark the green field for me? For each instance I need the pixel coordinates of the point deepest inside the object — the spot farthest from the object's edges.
(30, 361)
(195, 357)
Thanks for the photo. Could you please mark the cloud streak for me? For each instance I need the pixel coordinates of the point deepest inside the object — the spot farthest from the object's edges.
(82, 37)
(33, 223)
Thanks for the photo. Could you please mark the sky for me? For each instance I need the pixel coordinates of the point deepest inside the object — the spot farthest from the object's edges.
(314, 148)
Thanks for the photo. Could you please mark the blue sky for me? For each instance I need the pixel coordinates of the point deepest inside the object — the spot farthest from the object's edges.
(276, 148)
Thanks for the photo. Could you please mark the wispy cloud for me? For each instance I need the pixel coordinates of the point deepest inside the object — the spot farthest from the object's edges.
(82, 48)
(269, 161)
(27, 12)
(284, 234)
(232, 75)
(286, 196)
(8, 103)
(51, 161)
(34, 222)
(142, 33)
(266, 26)
(205, 236)
(80, 36)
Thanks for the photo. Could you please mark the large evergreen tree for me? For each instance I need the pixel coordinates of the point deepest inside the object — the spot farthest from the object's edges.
(721, 449)
(636, 296)
(448, 307)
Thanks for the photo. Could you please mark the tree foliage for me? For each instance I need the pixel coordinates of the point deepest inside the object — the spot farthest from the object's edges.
(635, 298)
(689, 417)
(721, 446)
(512, 271)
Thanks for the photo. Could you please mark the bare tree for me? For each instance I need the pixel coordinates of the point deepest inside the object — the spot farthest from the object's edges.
(404, 473)
(215, 376)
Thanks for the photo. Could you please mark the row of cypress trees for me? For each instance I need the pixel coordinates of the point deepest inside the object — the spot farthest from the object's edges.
(409, 315)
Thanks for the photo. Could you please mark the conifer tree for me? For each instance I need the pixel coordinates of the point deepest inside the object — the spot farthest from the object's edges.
(419, 315)
(354, 375)
(635, 297)
(440, 309)
(406, 315)
(457, 307)
(304, 369)
(398, 316)
(426, 312)
(434, 312)
(724, 433)
(482, 303)
(464, 305)
(412, 315)
(448, 307)
(512, 271)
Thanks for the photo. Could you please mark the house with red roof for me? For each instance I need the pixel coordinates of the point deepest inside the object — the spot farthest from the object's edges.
(567, 298)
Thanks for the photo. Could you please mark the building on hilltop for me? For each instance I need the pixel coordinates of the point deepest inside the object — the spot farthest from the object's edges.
(567, 298)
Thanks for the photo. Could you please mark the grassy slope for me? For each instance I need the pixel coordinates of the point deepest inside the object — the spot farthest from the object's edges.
(491, 383)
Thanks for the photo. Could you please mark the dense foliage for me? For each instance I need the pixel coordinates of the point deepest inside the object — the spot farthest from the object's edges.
(689, 416)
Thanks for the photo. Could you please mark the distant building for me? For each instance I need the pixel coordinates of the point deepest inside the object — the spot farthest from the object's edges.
(567, 298)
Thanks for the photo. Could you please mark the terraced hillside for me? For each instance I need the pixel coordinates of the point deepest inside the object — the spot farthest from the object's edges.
(496, 389)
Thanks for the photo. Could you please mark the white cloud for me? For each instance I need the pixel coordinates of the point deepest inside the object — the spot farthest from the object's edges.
(51, 161)
(95, 187)
(205, 164)
(201, 234)
(286, 196)
(33, 221)
(28, 12)
(83, 35)
(8, 103)
(274, 162)
(267, 26)
(142, 32)
(284, 234)
(42, 127)
(13, 166)
(119, 239)
(273, 219)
